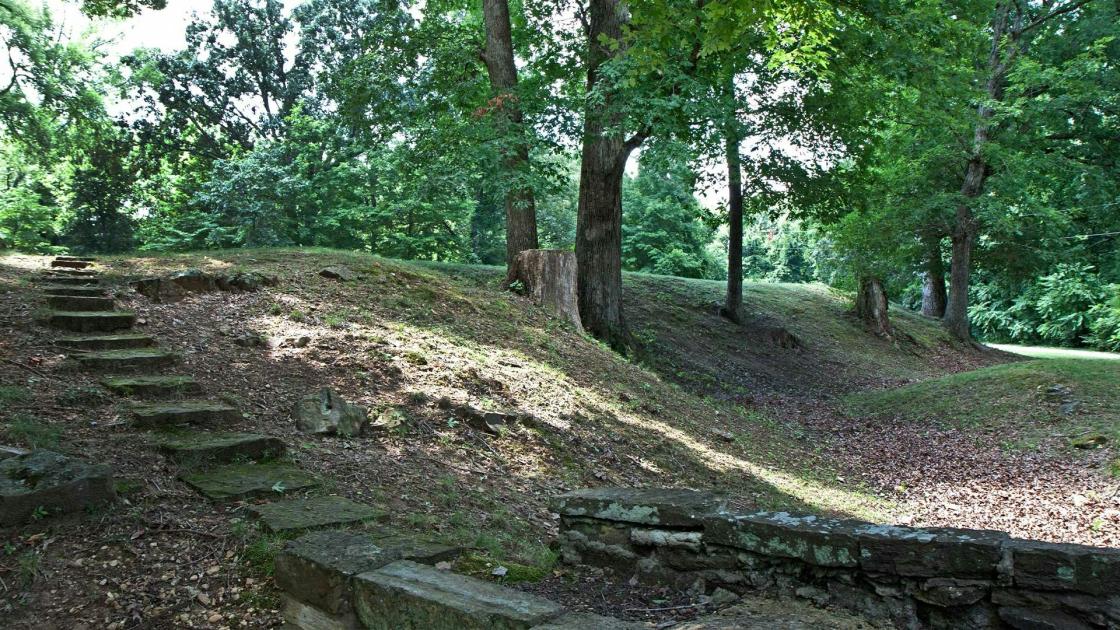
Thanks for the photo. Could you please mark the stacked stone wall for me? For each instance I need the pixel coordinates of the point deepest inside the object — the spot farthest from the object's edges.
(902, 576)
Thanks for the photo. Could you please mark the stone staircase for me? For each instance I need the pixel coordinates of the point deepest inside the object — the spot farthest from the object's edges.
(331, 577)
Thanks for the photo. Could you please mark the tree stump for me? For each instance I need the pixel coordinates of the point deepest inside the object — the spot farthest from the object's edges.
(549, 279)
(872, 305)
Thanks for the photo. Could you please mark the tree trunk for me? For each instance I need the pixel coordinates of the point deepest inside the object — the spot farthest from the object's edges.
(549, 279)
(872, 305)
(733, 304)
(521, 211)
(965, 226)
(933, 282)
(599, 219)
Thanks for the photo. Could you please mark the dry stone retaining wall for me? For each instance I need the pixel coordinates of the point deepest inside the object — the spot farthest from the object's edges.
(907, 577)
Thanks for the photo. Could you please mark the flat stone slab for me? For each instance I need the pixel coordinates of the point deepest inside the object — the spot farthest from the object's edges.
(81, 281)
(12, 451)
(152, 386)
(671, 507)
(1060, 567)
(107, 342)
(75, 290)
(80, 303)
(72, 272)
(406, 594)
(71, 264)
(929, 552)
(817, 540)
(588, 621)
(314, 513)
(81, 258)
(125, 359)
(92, 321)
(249, 481)
(183, 412)
(220, 448)
(317, 568)
(48, 482)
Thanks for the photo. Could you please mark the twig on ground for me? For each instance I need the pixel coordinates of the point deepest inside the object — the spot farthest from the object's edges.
(28, 368)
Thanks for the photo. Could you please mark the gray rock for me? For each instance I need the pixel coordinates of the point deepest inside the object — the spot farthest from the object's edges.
(1027, 619)
(1065, 567)
(314, 513)
(947, 592)
(237, 482)
(326, 413)
(588, 621)
(932, 552)
(672, 507)
(43, 482)
(338, 273)
(820, 541)
(317, 567)
(405, 594)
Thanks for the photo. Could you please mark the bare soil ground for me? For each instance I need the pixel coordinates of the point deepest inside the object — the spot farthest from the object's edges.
(706, 405)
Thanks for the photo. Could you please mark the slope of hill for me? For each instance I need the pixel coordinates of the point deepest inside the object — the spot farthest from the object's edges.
(704, 403)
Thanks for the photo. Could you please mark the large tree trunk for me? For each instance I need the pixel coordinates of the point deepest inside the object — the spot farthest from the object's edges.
(933, 282)
(872, 306)
(599, 220)
(733, 304)
(965, 227)
(521, 211)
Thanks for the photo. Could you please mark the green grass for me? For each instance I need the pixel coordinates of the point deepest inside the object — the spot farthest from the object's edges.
(34, 432)
(11, 394)
(1007, 398)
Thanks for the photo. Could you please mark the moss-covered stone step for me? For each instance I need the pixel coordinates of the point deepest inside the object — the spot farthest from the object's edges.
(75, 290)
(78, 258)
(128, 359)
(85, 273)
(107, 342)
(152, 386)
(81, 281)
(79, 302)
(407, 594)
(196, 449)
(316, 570)
(71, 264)
(183, 412)
(314, 513)
(237, 482)
(92, 321)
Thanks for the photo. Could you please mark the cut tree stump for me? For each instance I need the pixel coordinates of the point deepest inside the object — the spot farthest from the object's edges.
(549, 279)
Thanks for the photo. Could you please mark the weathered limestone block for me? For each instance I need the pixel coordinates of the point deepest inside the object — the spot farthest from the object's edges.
(588, 621)
(326, 413)
(947, 592)
(405, 594)
(1028, 619)
(819, 541)
(1063, 567)
(1102, 610)
(178, 285)
(663, 538)
(933, 552)
(316, 569)
(45, 480)
(313, 513)
(338, 273)
(667, 507)
(549, 278)
(300, 616)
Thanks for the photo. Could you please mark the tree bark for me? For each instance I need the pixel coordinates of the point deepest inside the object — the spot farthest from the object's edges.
(872, 306)
(933, 282)
(733, 304)
(549, 279)
(965, 228)
(521, 211)
(599, 218)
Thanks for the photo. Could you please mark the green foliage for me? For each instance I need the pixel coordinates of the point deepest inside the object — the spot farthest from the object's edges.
(34, 432)
(1066, 307)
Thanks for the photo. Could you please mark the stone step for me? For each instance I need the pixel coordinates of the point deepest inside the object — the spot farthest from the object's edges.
(406, 594)
(315, 571)
(80, 281)
(196, 449)
(180, 412)
(107, 342)
(92, 321)
(125, 360)
(71, 273)
(78, 258)
(237, 482)
(80, 303)
(314, 513)
(76, 290)
(151, 386)
(71, 264)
